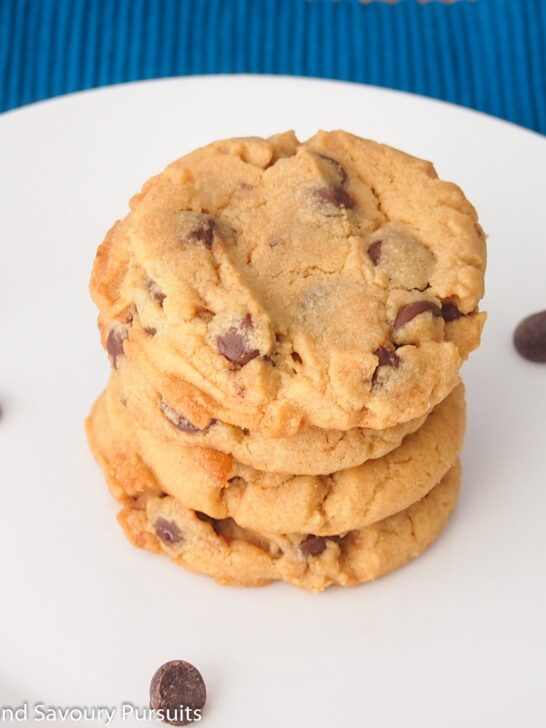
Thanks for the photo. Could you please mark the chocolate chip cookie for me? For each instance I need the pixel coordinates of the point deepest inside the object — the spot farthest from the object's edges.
(140, 450)
(235, 555)
(311, 452)
(278, 286)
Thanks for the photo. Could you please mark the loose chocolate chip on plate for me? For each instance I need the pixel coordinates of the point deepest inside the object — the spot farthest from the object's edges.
(168, 531)
(530, 337)
(411, 310)
(313, 545)
(334, 195)
(450, 312)
(340, 169)
(114, 345)
(178, 691)
(374, 251)
(234, 344)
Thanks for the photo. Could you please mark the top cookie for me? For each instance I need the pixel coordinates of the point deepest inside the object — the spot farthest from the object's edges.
(275, 285)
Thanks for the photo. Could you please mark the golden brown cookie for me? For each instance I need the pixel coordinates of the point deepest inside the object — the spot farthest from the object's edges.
(214, 483)
(277, 285)
(310, 452)
(234, 555)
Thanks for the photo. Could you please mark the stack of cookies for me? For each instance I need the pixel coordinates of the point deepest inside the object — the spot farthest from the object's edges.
(286, 324)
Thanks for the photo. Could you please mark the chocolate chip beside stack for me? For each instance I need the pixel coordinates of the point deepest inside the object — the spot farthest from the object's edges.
(530, 337)
(178, 693)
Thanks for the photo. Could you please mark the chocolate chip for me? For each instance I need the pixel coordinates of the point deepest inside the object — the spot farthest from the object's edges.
(150, 330)
(203, 232)
(313, 545)
(205, 315)
(340, 169)
(530, 337)
(296, 357)
(234, 345)
(237, 480)
(155, 291)
(123, 401)
(450, 312)
(334, 195)
(387, 357)
(374, 251)
(168, 531)
(411, 310)
(179, 421)
(178, 691)
(114, 345)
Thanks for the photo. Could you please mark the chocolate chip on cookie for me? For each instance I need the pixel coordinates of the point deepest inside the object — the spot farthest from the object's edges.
(387, 357)
(335, 196)
(178, 691)
(179, 421)
(114, 344)
(374, 251)
(339, 168)
(168, 532)
(530, 337)
(203, 232)
(411, 310)
(155, 291)
(450, 312)
(150, 331)
(234, 343)
(313, 545)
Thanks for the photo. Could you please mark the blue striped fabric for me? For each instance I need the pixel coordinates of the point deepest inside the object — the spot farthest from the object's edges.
(486, 54)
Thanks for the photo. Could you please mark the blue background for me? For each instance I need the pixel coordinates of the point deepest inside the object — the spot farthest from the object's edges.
(486, 54)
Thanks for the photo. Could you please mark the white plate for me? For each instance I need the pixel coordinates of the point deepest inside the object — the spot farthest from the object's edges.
(455, 639)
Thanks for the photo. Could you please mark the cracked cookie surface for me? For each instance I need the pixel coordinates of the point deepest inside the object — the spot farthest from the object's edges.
(277, 286)
(214, 483)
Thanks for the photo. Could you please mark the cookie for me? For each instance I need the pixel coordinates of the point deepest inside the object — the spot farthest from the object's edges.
(235, 555)
(311, 452)
(140, 457)
(277, 286)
